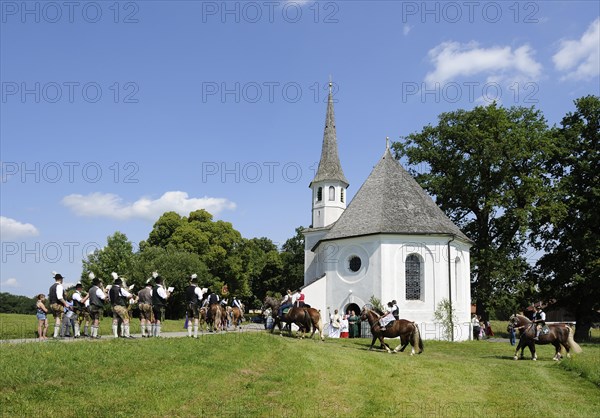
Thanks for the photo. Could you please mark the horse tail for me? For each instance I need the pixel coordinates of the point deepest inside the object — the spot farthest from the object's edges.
(320, 326)
(572, 344)
(417, 340)
(307, 320)
(217, 318)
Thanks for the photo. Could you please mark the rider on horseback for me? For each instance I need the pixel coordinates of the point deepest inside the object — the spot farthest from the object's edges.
(285, 303)
(213, 299)
(388, 317)
(539, 318)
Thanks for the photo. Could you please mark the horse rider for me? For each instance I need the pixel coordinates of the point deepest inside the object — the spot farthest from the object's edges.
(387, 318)
(285, 303)
(395, 310)
(539, 319)
(300, 301)
(237, 304)
(193, 295)
(295, 297)
(213, 299)
(58, 304)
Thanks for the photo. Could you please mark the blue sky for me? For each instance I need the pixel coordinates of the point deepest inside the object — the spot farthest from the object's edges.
(115, 112)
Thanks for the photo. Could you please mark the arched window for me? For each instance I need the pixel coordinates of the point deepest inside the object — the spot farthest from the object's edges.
(319, 194)
(413, 277)
(331, 193)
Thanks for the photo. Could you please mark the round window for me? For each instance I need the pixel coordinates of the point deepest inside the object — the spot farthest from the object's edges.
(354, 263)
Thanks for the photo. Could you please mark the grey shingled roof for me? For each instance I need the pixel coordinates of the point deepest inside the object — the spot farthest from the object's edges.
(391, 202)
(329, 165)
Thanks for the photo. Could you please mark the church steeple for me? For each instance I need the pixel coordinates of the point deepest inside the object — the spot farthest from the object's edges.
(329, 165)
(329, 185)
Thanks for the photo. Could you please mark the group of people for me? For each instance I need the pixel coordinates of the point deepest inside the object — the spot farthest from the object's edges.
(481, 329)
(72, 311)
(344, 326)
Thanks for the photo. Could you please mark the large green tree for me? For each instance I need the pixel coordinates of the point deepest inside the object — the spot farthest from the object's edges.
(569, 228)
(175, 267)
(485, 168)
(116, 256)
(292, 256)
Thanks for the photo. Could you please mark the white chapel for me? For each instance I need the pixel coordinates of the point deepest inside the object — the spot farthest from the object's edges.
(392, 242)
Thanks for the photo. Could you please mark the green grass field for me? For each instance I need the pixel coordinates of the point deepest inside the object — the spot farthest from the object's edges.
(15, 326)
(255, 374)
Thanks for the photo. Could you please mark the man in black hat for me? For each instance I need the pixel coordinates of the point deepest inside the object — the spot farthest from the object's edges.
(96, 297)
(57, 302)
(193, 296)
(119, 298)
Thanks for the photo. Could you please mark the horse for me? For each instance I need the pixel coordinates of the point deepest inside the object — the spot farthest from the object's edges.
(236, 314)
(202, 318)
(214, 317)
(407, 331)
(559, 334)
(305, 318)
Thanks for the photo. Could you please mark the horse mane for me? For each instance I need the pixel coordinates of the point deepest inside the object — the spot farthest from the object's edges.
(377, 311)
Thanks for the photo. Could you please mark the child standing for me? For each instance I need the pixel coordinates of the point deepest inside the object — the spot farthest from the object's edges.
(41, 312)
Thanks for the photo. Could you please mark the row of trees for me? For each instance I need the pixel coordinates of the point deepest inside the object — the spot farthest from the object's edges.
(179, 246)
(515, 186)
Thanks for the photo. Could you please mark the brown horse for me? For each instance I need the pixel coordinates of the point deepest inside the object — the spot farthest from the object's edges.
(236, 315)
(305, 318)
(558, 335)
(407, 331)
(202, 320)
(214, 317)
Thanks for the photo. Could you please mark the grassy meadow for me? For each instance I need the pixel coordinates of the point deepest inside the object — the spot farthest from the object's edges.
(255, 374)
(16, 326)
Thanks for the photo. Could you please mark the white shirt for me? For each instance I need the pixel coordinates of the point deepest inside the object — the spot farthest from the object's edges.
(77, 296)
(100, 294)
(59, 291)
(295, 297)
(161, 291)
(125, 293)
(198, 292)
(344, 325)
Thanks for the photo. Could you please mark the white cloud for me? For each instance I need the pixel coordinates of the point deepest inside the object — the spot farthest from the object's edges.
(453, 60)
(11, 228)
(12, 282)
(406, 29)
(580, 58)
(110, 205)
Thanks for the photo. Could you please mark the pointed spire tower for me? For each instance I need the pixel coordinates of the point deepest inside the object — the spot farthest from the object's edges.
(329, 185)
